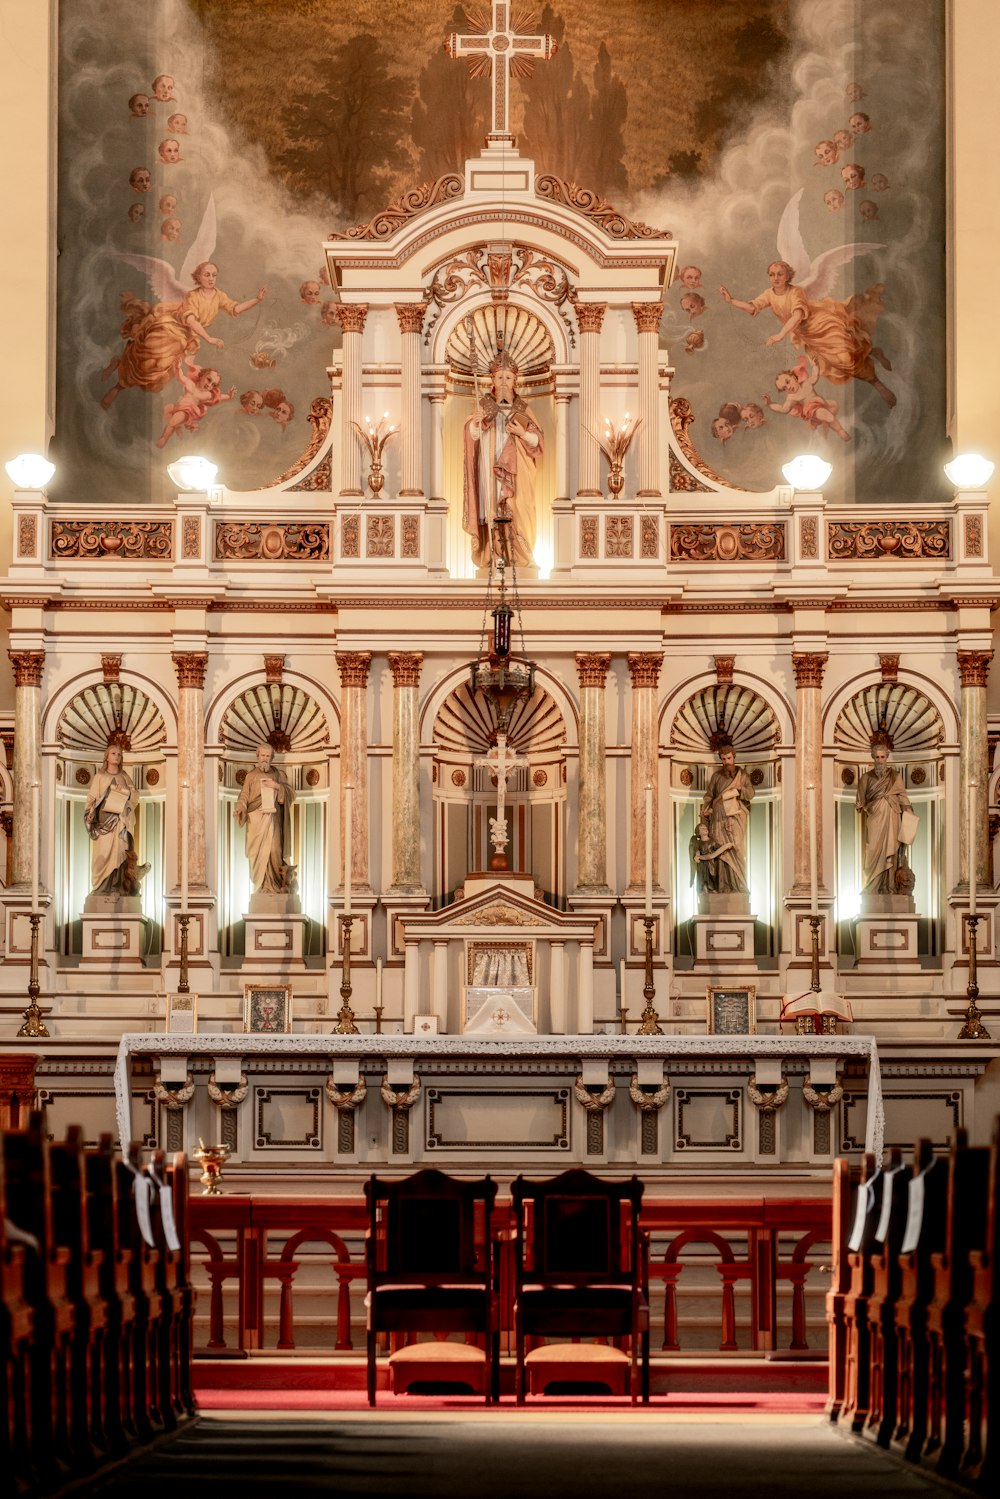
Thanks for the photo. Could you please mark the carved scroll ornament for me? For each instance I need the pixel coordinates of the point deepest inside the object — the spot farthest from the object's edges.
(861, 541)
(415, 200)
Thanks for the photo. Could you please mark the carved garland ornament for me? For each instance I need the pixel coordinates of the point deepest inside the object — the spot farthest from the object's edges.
(768, 1098)
(646, 1099)
(398, 1096)
(854, 540)
(590, 1099)
(349, 1098)
(87, 540)
(822, 1101)
(173, 1095)
(228, 1095)
(583, 200)
(427, 195)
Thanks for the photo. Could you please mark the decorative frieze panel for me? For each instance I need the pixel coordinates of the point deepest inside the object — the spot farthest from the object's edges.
(27, 535)
(754, 541)
(272, 541)
(860, 541)
(649, 538)
(350, 535)
(381, 536)
(409, 536)
(974, 536)
(618, 533)
(808, 537)
(93, 540)
(191, 538)
(588, 537)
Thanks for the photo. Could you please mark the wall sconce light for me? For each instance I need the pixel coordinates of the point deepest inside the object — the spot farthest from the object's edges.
(614, 445)
(29, 471)
(808, 471)
(193, 473)
(375, 439)
(969, 471)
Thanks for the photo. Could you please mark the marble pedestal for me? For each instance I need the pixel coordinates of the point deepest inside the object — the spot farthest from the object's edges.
(274, 942)
(114, 933)
(723, 943)
(886, 934)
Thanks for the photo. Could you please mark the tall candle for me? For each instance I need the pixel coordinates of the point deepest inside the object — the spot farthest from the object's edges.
(621, 982)
(649, 850)
(348, 825)
(972, 841)
(185, 824)
(378, 983)
(35, 831)
(813, 858)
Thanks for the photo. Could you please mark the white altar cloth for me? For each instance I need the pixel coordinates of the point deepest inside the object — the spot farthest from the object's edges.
(640, 1048)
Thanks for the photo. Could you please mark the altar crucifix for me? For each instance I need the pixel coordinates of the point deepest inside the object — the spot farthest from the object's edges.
(501, 762)
(498, 47)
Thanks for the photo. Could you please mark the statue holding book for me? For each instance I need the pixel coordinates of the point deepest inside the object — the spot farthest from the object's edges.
(725, 811)
(109, 816)
(264, 808)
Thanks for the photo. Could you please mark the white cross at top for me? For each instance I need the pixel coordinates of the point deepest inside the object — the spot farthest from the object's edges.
(498, 49)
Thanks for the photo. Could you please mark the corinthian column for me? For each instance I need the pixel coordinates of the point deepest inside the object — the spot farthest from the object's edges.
(190, 667)
(809, 667)
(27, 755)
(974, 675)
(647, 320)
(353, 667)
(351, 317)
(592, 853)
(411, 322)
(590, 316)
(644, 669)
(405, 667)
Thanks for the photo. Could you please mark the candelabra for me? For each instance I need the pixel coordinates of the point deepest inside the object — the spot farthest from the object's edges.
(345, 1019)
(34, 1025)
(375, 439)
(973, 1029)
(649, 1021)
(183, 919)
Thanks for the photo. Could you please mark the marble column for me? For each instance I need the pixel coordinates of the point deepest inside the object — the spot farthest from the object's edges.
(809, 667)
(351, 317)
(592, 850)
(647, 320)
(27, 766)
(437, 399)
(190, 667)
(590, 316)
(405, 667)
(562, 445)
(353, 667)
(411, 322)
(644, 669)
(974, 674)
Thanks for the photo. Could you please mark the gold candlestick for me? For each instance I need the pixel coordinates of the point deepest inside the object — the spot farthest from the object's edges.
(345, 1019)
(649, 1023)
(34, 1025)
(973, 1029)
(183, 986)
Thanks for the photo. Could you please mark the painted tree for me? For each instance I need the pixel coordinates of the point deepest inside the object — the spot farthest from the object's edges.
(450, 114)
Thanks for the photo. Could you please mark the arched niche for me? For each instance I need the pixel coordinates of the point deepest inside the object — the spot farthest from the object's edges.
(287, 717)
(100, 714)
(917, 735)
(709, 716)
(464, 730)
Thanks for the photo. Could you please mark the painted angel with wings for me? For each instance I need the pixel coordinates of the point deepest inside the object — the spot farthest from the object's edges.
(837, 335)
(173, 327)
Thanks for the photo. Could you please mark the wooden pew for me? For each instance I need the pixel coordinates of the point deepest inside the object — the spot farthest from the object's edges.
(981, 1462)
(861, 1248)
(143, 1285)
(968, 1184)
(845, 1182)
(174, 1284)
(930, 1183)
(119, 1302)
(16, 1333)
(178, 1179)
(886, 1282)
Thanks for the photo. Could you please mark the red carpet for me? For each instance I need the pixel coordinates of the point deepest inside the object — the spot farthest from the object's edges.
(782, 1402)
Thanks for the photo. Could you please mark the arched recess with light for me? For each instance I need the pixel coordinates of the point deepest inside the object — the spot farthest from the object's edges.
(98, 715)
(288, 718)
(710, 715)
(465, 794)
(917, 733)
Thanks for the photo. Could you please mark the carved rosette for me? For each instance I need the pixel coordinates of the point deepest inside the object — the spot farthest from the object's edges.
(411, 316)
(190, 667)
(809, 667)
(405, 667)
(761, 541)
(644, 667)
(27, 667)
(724, 668)
(410, 203)
(974, 668)
(90, 540)
(855, 540)
(889, 667)
(274, 541)
(590, 316)
(648, 316)
(351, 316)
(353, 667)
(592, 668)
(274, 667)
(594, 207)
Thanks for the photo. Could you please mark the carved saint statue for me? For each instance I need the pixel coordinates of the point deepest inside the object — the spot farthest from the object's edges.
(726, 811)
(265, 808)
(705, 857)
(503, 444)
(109, 816)
(890, 823)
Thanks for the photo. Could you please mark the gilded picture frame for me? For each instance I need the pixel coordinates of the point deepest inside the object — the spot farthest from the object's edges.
(732, 1009)
(267, 1008)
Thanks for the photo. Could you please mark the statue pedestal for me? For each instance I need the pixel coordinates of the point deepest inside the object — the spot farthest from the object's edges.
(724, 942)
(114, 933)
(274, 942)
(886, 934)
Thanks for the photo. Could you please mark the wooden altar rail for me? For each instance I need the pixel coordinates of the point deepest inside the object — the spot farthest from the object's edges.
(241, 1246)
(95, 1322)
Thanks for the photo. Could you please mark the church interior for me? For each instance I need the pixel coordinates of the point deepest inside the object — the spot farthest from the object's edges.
(497, 582)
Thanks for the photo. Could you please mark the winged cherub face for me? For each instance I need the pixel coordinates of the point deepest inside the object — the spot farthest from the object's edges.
(777, 274)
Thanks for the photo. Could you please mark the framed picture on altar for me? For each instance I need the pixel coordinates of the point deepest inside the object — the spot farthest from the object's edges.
(182, 1014)
(267, 1008)
(732, 1009)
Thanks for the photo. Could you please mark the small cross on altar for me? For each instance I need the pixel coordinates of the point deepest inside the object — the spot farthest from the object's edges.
(499, 49)
(502, 762)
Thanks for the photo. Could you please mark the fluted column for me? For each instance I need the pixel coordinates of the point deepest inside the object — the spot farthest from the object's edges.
(644, 669)
(437, 400)
(592, 852)
(590, 316)
(353, 667)
(27, 755)
(351, 317)
(647, 320)
(562, 445)
(809, 667)
(405, 667)
(190, 667)
(411, 322)
(974, 675)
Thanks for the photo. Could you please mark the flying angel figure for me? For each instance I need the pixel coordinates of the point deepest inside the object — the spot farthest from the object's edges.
(836, 335)
(159, 336)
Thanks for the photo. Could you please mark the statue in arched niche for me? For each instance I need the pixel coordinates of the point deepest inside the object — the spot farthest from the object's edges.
(109, 817)
(889, 825)
(264, 808)
(725, 811)
(503, 446)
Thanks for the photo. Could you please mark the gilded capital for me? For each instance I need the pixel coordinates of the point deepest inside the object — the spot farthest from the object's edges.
(724, 668)
(405, 667)
(111, 668)
(353, 667)
(411, 316)
(274, 667)
(647, 316)
(590, 316)
(27, 667)
(351, 316)
(809, 667)
(644, 667)
(974, 668)
(592, 667)
(889, 667)
(190, 667)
